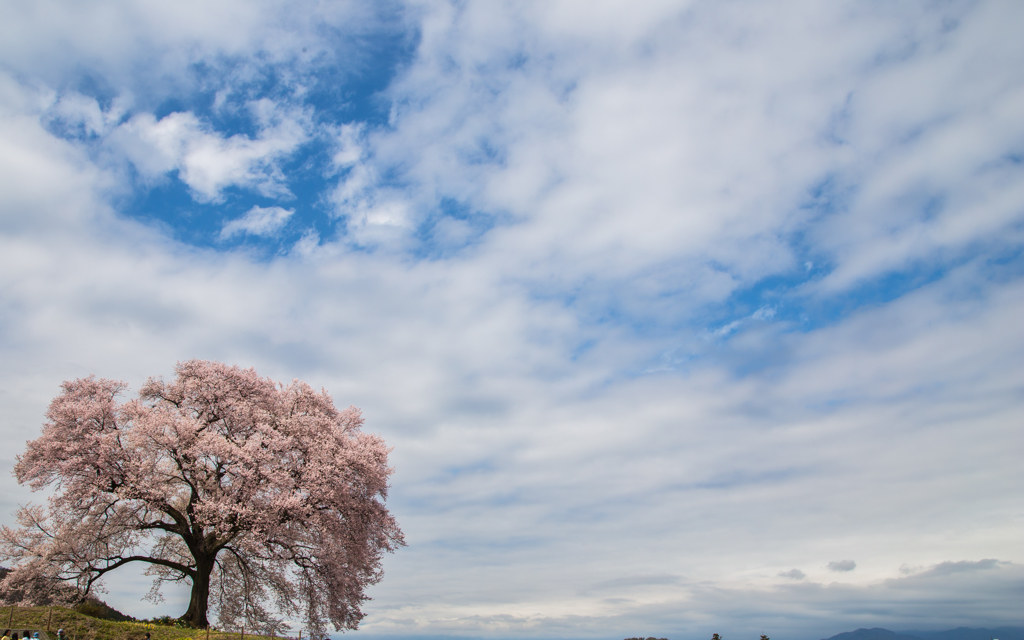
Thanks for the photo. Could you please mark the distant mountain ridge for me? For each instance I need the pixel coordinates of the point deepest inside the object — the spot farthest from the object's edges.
(876, 634)
(964, 633)
(960, 633)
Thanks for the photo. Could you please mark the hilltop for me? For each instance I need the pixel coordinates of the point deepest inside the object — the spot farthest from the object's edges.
(82, 627)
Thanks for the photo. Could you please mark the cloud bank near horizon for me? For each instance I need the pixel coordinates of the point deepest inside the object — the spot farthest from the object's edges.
(681, 317)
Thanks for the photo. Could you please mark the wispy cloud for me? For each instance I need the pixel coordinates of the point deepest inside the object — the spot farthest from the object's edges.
(258, 221)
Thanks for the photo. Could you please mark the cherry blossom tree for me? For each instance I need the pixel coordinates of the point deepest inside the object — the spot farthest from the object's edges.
(263, 496)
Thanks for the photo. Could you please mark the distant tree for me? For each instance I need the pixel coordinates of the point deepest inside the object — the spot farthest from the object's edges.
(256, 493)
(715, 636)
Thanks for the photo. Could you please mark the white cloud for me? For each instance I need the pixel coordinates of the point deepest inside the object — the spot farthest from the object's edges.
(205, 160)
(154, 46)
(349, 150)
(78, 113)
(258, 221)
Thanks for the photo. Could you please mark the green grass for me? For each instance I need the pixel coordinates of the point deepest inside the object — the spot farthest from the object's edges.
(82, 627)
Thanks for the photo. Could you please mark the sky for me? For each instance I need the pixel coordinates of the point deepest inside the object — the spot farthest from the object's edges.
(681, 317)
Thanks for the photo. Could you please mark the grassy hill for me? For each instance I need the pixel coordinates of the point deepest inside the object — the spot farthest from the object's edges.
(82, 627)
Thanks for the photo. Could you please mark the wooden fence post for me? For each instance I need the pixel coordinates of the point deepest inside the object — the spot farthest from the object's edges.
(49, 619)
(10, 619)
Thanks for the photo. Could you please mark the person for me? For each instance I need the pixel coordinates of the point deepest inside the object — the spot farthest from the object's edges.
(14, 636)
(60, 635)
(7, 634)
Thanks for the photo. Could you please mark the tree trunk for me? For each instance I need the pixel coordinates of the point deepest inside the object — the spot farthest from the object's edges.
(195, 617)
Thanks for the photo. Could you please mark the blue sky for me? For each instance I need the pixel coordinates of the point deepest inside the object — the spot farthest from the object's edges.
(682, 317)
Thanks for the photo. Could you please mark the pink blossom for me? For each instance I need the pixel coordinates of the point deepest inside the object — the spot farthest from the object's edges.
(262, 496)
